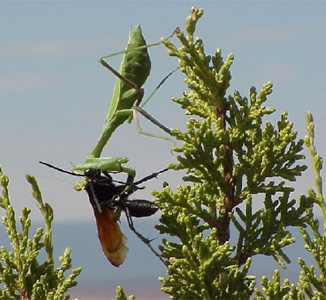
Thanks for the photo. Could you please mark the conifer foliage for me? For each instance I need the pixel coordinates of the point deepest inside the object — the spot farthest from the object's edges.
(234, 159)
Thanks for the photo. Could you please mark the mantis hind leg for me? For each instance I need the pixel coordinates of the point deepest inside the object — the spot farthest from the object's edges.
(139, 109)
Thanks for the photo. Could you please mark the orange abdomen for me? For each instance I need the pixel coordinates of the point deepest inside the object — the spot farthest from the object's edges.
(113, 241)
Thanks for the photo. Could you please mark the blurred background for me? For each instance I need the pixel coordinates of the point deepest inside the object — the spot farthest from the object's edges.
(54, 97)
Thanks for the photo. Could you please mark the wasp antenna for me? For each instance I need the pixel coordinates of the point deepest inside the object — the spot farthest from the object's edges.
(60, 170)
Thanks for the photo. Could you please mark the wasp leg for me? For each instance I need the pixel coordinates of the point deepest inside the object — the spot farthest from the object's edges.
(98, 206)
(141, 237)
(153, 175)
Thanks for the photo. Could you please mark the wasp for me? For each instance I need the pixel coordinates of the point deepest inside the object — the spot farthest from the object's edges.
(108, 199)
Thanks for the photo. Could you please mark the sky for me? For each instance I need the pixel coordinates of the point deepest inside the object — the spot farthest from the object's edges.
(54, 97)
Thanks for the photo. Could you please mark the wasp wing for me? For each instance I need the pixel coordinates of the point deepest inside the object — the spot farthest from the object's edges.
(113, 241)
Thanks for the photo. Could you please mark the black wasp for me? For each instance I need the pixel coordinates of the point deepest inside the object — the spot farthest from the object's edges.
(108, 199)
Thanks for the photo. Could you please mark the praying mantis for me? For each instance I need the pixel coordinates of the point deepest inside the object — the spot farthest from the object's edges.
(125, 104)
(107, 198)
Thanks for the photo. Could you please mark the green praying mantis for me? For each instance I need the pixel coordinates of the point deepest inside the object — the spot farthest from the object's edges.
(125, 105)
(106, 197)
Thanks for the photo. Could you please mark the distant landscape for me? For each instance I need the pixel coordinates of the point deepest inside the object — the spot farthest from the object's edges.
(138, 275)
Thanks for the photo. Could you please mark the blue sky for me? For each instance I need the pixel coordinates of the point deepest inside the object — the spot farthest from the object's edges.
(54, 95)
